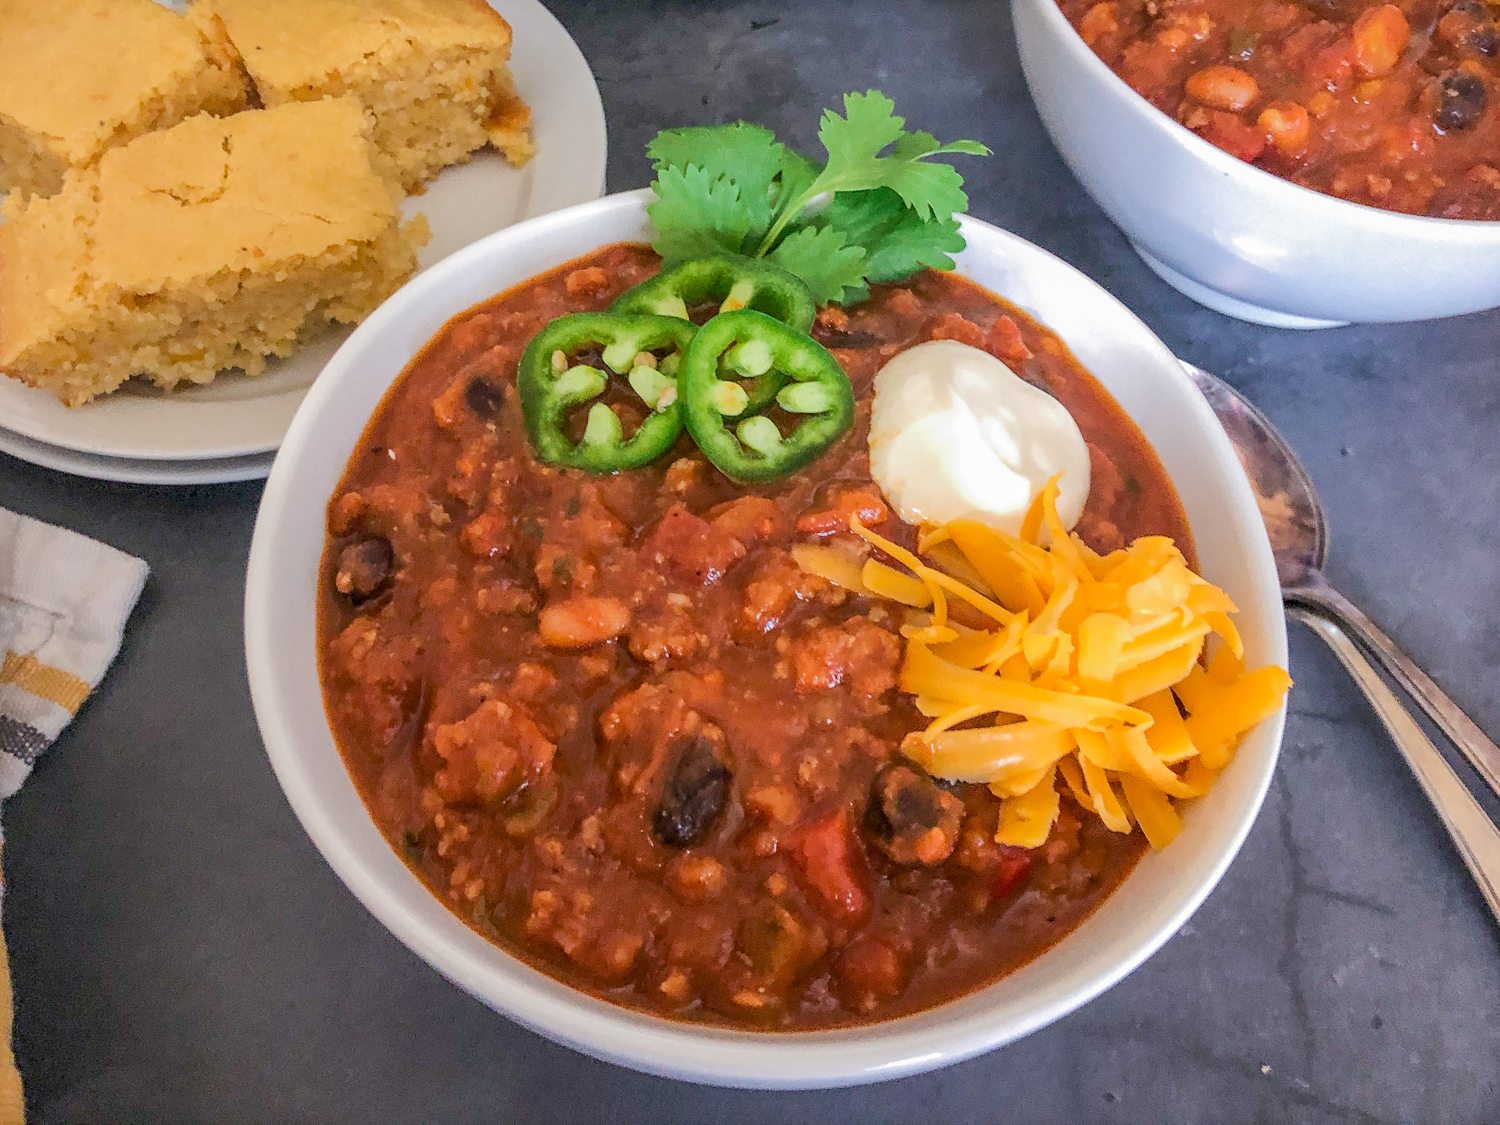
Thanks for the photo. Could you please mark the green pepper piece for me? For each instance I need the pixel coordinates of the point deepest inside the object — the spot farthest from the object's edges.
(552, 385)
(736, 283)
(747, 446)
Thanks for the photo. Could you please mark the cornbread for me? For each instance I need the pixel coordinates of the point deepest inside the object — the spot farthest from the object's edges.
(207, 246)
(433, 72)
(78, 77)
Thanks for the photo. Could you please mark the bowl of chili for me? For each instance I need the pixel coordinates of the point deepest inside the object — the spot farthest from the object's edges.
(286, 577)
(1243, 238)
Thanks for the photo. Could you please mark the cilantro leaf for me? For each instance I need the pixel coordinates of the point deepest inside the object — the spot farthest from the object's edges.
(797, 175)
(896, 240)
(869, 124)
(913, 146)
(748, 155)
(696, 214)
(931, 190)
(887, 205)
(855, 144)
(820, 257)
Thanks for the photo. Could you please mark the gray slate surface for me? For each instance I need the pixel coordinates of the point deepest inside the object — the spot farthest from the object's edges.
(182, 954)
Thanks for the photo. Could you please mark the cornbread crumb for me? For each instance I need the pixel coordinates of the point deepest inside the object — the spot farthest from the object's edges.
(209, 245)
(78, 77)
(433, 72)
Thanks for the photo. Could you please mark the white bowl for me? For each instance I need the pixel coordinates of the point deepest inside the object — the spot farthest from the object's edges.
(1147, 909)
(1229, 235)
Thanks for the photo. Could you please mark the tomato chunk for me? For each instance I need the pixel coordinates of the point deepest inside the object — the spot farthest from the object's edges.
(692, 547)
(828, 856)
(1010, 873)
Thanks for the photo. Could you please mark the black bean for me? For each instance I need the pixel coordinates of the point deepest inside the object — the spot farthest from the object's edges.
(905, 806)
(484, 397)
(1462, 100)
(694, 797)
(1485, 38)
(365, 568)
(839, 338)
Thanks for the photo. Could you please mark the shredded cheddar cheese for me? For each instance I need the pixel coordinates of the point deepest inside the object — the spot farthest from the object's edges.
(1090, 677)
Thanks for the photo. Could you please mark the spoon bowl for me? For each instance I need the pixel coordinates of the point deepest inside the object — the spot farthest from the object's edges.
(1289, 503)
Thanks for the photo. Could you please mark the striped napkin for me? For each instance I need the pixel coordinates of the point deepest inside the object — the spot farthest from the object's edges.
(64, 600)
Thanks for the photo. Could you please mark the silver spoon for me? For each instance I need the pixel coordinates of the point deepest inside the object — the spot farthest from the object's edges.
(1299, 538)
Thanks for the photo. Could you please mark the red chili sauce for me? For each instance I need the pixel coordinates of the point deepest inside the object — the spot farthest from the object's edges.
(537, 677)
(1393, 105)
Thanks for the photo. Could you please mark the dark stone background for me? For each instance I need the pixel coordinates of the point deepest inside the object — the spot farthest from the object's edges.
(181, 952)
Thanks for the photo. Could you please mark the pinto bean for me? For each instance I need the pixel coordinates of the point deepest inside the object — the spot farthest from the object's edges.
(694, 797)
(582, 621)
(1380, 36)
(1223, 87)
(365, 568)
(1288, 126)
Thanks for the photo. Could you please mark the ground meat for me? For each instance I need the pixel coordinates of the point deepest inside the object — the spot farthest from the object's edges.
(488, 753)
(857, 653)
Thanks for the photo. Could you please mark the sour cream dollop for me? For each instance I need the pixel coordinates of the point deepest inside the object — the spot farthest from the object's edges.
(955, 434)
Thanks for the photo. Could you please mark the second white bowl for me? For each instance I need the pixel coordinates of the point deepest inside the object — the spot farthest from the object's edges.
(1229, 235)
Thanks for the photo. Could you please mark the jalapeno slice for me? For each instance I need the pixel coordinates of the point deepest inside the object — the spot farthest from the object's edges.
(734, 283)
(553, 383)
(813, 385)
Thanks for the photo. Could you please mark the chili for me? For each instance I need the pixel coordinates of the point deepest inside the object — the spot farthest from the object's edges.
(614, 727)
(1394, 105)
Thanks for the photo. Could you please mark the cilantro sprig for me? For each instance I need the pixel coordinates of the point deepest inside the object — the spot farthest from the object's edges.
(877, 210)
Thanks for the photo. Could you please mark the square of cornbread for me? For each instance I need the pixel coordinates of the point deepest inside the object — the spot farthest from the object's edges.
(433, 72)
(210, 245)
(78, 77)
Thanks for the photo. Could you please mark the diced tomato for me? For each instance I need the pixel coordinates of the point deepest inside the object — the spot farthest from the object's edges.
(869, 968)
(1005, 344)
(691, 547)
(748, 519)
(828, 856)
(953, 326)
(1010, 873)
(869, 508)
(1234, 136)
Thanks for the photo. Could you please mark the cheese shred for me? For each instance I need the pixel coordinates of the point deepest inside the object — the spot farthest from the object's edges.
(1092, 682)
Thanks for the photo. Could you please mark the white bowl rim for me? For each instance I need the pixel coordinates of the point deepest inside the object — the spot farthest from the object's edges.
(700, 1053)
(1233, 166)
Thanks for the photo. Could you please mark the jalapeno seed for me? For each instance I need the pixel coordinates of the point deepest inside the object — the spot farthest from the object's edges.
(750, 359)
(580, 381)
(760, 434)
(729, 399)
(653, 387)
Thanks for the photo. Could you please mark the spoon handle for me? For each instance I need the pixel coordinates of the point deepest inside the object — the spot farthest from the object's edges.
(1474, 834)
(1472, 742)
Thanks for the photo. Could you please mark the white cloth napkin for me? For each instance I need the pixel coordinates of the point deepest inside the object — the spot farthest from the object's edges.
(64, 599)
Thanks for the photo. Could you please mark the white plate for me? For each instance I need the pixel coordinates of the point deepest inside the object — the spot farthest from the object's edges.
(136, 470)
(236, 416)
